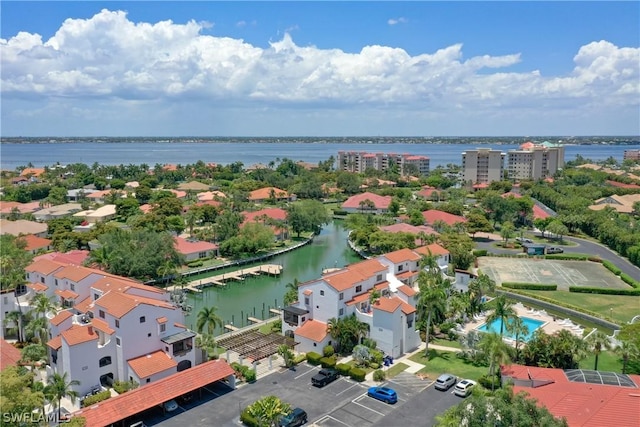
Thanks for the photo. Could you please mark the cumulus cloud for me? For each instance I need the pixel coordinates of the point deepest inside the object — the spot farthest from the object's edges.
(396, 21)
(112, 58)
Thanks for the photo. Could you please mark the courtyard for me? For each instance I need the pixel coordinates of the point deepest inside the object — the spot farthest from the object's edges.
(552, 272)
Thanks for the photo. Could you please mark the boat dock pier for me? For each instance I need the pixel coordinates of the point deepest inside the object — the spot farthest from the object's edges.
(220, 280)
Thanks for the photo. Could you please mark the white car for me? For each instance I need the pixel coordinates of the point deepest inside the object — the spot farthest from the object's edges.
(464, 388)
(170, 406)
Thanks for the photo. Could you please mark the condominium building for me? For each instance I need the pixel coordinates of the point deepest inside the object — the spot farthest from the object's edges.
(631, 155)
(535, 161)
(483, 165)
(360, 161)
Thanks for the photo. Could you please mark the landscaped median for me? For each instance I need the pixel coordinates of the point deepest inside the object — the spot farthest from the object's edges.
(440, 361)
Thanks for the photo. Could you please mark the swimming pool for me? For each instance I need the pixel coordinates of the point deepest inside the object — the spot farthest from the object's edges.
(532, 324)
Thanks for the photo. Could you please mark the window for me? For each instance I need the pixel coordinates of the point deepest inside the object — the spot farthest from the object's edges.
(163, 328)
(117, 323)
(56, 282)
(96, 296)
(306, 300)
(148, 380)
(73, 287)
(400, 267)
(101, 313)
(341, 297)
(358, 288)
(149, 335)
(6, 300)
(321, 293)
(105, 361)
(42, 280)
(341, 312)
(379, 278)
(143, 319)
(202, 255)
(118, 341)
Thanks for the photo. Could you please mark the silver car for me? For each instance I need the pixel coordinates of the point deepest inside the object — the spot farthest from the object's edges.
(445, 381)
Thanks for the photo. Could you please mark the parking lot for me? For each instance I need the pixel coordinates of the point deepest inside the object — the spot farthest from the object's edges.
(342, 403)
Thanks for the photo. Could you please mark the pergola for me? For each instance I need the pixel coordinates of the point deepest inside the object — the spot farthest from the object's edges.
(254, 344)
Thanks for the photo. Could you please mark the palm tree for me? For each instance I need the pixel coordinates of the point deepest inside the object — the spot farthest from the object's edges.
(336, 328)
(432, 296)
(481, 286)
(207, 317)
(285, 352)
(32, 354)
(269, 410)
(598, 341)
(357, 328)
(628, 351)
(17, 318)
(502, 311)
(293, 286)
(60, 388)
(41, 304)
(38, 328)
(207, 343)
(519, 329)
(493, 346)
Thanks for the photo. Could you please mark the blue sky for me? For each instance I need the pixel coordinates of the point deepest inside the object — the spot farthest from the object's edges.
(320, 68)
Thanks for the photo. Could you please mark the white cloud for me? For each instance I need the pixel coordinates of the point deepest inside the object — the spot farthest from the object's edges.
(110, 58)
(396, 21)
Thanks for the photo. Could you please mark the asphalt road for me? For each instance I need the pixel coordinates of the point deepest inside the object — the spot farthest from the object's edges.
(582, 246)
(343, 403)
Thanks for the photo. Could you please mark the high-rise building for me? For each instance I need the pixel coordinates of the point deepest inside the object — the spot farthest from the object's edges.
(360, 161)
(535, 161)
(483, 165)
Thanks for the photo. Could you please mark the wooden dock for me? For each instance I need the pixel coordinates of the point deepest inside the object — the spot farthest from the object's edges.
(221, 279)
(254, 320)
(231, 327)
(274, 311)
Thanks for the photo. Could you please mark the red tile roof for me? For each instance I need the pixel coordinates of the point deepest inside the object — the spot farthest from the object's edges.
(151, 364)
(83, 306)
(432, 249)
(391, 304)
(427, 192)
(308, 292)
(32, 171)
(66, 294)
(433, 215)
(622, 184)
(355, 273)
(403, 227)
(55, 342)
(313, 330)
(38, 287)
(75, 256)
(380, 202)
(61, 317)
(43, 266)
(186, 247)
(34, 242)
(118, 304)
(79, 334)
(9, 355)
(582, 404)
(76, 273)
(408, 291)
(359, 298)
(265, 193)
(402, 255)
(540, 213)
(101, 325)
(161, 320)
(273, 213)
(148, 396)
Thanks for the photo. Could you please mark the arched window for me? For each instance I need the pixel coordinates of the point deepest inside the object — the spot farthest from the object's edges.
(105, 361)
(185, 364)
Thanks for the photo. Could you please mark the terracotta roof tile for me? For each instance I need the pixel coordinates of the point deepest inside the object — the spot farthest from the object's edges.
(151, 364)
(407, 308)
(308, 292)
(432, 249)
(273, 213)
(38, 287)
(434, 215)
(408, 291)
(66, 294)
(387, 304)
(161, 320)
(187, 247)
(402, 255)
(122, 284)
(79, 334)
(313, 330)
(75, 256)
(55, 342)
(76, 273)
(359, 299)
(61, 317)
(265, 193)
(9, 355)
(101, 325)
(407, 274)
(353, 274)
(148, 396)
(43, 266)
(83, 306)
(380, 202)
(403, 227)
(34, 242)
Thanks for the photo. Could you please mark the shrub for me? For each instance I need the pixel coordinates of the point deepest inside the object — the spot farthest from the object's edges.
(376, 356)
(603, 291)
(369, 342)
(531, 286)
(250, 375)
(195, 264)
(299, 358)
(328, 362)
(314, 358)
(343, 369)
(595, 259)
(124, 386)
(490, 382)
(480, 252)
(328, 351)
(611, 267)
(98, 397)
(357, 374)
(379, 375)
(277, 326)
(247, 419)
(629, 280)
(374, 365)
(574, 257)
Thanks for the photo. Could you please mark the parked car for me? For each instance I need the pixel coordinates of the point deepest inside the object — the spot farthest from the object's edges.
(324, 377)
(186, 398)
(296, 418)
(445, 382)
(464, 388)
(170, 406)
(384, 394)
(554, 250)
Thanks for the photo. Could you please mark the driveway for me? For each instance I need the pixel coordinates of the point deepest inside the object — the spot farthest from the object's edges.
(343, 403)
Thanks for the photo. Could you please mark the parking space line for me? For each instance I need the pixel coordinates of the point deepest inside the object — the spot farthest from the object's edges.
(332, 418)
(302, 375)
(364, 406)
(212, 392)
(343, 391)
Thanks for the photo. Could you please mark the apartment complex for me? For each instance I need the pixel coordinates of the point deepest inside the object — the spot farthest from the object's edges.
(483, 165)
(535, 161)
(109, 328)
(631, 155)
(391, 318)
(360, 161)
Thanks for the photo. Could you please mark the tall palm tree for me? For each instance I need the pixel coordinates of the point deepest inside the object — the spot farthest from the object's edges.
(32, 354)
(207, 343)
(432, 296)
(207, 317)
(293, 286)
(17, 318)
(41, 304)
(269, 410)
(598, 341)
(519, 329)
(60, 387)
(336, 328)
(38, 328)
(481, 286)
(628, 351)
(503, 311)
(493, 346)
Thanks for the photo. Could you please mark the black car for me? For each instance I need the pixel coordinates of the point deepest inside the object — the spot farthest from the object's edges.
(324, 377)
(296, 418)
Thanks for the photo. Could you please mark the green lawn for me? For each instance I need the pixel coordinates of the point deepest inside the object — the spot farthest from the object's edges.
(446, 343)
(446, 361)
(607, 361)
(621, 308)
(396, 369)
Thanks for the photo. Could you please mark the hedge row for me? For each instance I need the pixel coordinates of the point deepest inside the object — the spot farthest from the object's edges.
(328, 362)
(629, 280)
(244, 371)
(357, 374)
(248, 420)
(531, 286)
(559, 303)
(299, 358)
(603, 291)
(570, 257)
(480, 252)
(343, 369)
(314, 358)
(612, 267)
(98, 397)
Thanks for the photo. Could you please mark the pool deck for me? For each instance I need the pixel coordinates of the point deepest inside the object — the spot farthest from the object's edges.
(550, 325)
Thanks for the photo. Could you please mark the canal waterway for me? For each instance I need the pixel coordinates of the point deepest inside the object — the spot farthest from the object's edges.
(255, 296)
